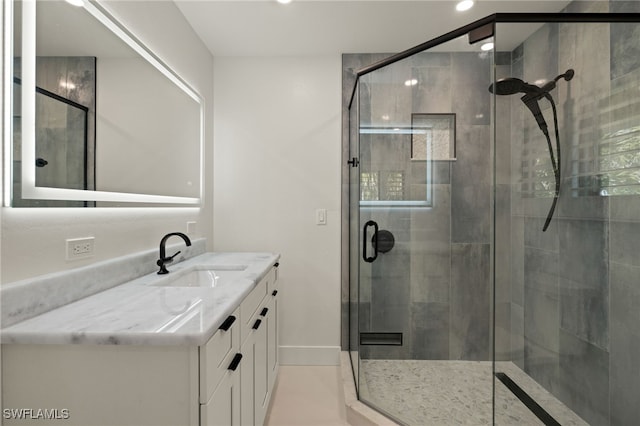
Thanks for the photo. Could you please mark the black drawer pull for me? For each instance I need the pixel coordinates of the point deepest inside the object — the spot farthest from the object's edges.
(256, 325)
(226, 325)
(274, 292)
(235, 362)
(264, 312)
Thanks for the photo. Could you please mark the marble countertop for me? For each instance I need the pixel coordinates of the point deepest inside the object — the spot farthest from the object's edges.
(149, 310)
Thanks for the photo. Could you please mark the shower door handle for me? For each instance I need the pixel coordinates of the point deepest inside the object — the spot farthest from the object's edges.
(370, 259)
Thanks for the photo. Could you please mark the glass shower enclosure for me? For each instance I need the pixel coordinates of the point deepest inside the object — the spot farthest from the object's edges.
(494, 223)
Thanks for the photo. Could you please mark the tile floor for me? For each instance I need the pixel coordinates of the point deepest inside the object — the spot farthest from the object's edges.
(308, 396)
(458, 395)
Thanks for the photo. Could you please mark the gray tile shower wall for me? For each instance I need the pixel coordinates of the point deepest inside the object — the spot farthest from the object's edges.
(624, 266)
(574, 289)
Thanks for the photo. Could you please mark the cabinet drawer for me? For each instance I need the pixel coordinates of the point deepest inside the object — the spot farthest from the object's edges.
(217, 354)
(250, 305)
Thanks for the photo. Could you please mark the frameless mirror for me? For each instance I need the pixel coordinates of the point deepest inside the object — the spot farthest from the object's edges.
(97, 117)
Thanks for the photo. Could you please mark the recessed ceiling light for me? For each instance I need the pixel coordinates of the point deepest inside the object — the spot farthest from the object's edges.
(76, 2)
(411, 82)
(464, 5)
(385, 117)
(487, 46)
(284, 1)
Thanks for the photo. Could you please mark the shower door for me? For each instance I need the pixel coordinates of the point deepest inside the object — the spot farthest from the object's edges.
(420, 236)
(404, 250)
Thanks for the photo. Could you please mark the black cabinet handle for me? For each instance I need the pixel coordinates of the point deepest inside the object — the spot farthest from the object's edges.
(274, 292)
(235, 362)
(276, 264)
(264, 312)
(226, 325)
(370, 259)
(256, 325)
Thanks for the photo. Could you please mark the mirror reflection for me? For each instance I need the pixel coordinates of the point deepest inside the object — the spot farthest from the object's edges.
(109, 118)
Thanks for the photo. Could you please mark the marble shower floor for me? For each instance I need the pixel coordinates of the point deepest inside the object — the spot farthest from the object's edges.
(422, 393)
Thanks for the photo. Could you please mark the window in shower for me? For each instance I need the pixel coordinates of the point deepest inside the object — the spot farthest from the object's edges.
(620, 163)
(537, 172)
(382, 186)
(617, 169)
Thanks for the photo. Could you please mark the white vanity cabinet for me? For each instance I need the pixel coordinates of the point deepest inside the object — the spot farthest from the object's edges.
(256, 386)
(239, 363)
(228, 381)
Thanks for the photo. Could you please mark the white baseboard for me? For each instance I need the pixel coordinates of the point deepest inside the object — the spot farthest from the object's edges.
(309, 355)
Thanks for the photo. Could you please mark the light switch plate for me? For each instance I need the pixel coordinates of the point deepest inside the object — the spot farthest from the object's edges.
(321, 216)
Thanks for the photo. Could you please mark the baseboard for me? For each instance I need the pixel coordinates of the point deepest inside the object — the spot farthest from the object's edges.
(309, 355)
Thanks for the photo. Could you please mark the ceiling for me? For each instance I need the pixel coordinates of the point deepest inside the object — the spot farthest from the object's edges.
(328, 27)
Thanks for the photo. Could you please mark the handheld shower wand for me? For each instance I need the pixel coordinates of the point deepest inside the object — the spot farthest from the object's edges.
(532, 94)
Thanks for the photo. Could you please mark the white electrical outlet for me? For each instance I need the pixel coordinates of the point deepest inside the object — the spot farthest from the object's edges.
(79, 248)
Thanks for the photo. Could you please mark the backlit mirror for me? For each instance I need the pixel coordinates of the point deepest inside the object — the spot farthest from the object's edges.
(98, 119)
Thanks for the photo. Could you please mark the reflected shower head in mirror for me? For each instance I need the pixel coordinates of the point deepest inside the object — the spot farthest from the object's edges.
(532, 94)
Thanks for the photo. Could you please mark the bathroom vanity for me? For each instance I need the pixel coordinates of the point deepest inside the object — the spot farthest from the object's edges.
(198, 346)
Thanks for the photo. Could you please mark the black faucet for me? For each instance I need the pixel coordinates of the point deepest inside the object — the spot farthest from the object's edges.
(163, 257)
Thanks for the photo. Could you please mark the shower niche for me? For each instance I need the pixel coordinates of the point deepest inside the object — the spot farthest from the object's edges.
(506, 167)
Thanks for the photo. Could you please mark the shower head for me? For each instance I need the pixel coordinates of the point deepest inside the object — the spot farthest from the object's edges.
(511, 86)
(533, 94)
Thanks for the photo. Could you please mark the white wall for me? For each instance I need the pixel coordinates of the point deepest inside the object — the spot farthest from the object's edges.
(277, 160)
(143, 114)
(33, 240)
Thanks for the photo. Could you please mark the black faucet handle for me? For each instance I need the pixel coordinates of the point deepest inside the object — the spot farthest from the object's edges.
(171, 257)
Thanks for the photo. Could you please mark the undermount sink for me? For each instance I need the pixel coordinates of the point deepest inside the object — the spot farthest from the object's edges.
(225, 267)
(210, 277)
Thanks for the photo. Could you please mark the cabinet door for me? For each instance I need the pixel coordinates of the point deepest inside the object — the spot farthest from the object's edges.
(223, 409)
(247, 400)
(261, 380)
(272, 340)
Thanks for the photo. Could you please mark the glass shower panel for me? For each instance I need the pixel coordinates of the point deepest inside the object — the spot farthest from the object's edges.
(61, 146)
(354, 234)
(566, 297)
(424, 236)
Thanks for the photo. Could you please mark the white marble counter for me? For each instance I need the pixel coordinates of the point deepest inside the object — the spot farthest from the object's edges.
(140, 312)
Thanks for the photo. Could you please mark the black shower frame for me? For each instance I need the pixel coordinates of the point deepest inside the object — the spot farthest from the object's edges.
(85, 109)
(484, 28)
(491, 20)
